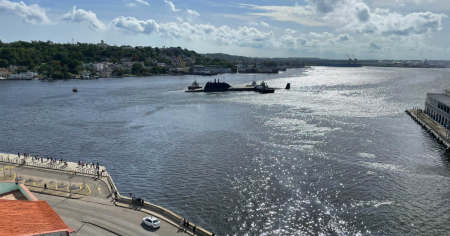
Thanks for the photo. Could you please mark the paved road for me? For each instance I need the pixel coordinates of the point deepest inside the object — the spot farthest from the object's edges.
(97, 207)
(104, 213)
(40, 176)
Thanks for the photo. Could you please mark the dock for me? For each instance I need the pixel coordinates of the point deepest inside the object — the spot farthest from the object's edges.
(438, 131)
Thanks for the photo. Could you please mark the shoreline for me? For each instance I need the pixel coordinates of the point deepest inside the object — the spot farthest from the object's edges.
(119, 200)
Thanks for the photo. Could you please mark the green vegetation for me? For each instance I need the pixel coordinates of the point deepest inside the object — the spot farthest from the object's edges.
(67, 60)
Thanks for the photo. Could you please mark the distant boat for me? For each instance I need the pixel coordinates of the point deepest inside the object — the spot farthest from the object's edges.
(264, 88)
(194, 85)
(75, 89)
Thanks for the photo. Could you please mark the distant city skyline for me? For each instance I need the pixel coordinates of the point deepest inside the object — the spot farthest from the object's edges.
(369, 29)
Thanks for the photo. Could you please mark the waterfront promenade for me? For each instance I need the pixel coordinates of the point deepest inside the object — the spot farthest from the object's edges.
(434, 128)
(87, 201)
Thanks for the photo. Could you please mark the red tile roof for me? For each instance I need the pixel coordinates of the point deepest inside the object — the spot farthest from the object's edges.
(29, 218)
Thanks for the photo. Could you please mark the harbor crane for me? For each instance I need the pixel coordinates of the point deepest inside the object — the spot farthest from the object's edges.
(243, 62)
(354, 58)
(349, 60)
(183, 64)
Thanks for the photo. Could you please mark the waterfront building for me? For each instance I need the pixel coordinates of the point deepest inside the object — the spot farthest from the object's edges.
(98, 66)
(437, 106)
(23, 214)
(24, 75)
(4, 73)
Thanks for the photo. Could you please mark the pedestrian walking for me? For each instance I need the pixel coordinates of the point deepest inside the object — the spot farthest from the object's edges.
(213, 234)
(18, 154)
(184, 222)
(45, 186)
(193, 229)
(181, 224)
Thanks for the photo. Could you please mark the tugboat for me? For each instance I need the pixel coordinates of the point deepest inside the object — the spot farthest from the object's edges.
(194, 86)
(251, 85)
(216, 86)
(264, 88)
(75, 89)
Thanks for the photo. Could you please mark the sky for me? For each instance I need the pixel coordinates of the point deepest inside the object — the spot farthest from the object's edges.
(366, 29)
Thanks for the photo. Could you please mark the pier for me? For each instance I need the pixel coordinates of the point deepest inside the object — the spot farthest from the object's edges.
(438, 131)
(90, 197)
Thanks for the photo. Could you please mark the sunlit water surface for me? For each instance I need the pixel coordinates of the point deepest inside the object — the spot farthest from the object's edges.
(335, 155)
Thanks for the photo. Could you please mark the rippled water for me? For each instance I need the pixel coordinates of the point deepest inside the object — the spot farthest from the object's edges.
(335, 155)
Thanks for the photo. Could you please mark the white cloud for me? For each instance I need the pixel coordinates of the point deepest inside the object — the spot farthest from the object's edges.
(143, 2)
(299, 14)
(264, 24)
(252, 23)
(290, 31)
(321, 35)
(33, 14)
(132, 25)
(81, 15)
(356, 16)
(171, 6)
(374, 46)
(343, 37)
(131, 4)
(289, 42)
(191, 15)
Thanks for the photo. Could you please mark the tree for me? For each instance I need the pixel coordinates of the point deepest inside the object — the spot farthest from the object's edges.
(3, 63)
(137, 68)
(65, 69)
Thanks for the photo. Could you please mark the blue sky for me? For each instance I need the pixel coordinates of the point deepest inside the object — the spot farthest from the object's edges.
(368, 29)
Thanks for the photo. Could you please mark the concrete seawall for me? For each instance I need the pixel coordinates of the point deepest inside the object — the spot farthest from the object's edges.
(432, 127)
(61, 167)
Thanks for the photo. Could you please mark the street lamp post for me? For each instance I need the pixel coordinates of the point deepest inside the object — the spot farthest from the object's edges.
(9, 166)
(4, 171)
(83, 176)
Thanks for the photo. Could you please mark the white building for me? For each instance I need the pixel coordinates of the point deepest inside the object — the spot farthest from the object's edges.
(130, 64)
(161, 64)
(102, 44)
(24, 75)
(98, 66)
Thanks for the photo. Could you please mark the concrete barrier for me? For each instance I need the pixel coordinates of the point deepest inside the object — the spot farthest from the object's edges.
(168, 214)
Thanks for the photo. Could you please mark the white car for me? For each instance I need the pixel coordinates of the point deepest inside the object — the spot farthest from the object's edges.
(151, 221)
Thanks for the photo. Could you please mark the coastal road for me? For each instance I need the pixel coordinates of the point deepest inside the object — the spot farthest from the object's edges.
(60, 180)
(92, 214)
(103, 213)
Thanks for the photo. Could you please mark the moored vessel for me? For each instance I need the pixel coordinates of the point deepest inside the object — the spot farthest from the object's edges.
(194, 85)
(264, 88)
(216, 86)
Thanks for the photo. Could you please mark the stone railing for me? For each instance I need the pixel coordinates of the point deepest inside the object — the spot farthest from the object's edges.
(60, 167)
(166, 213)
